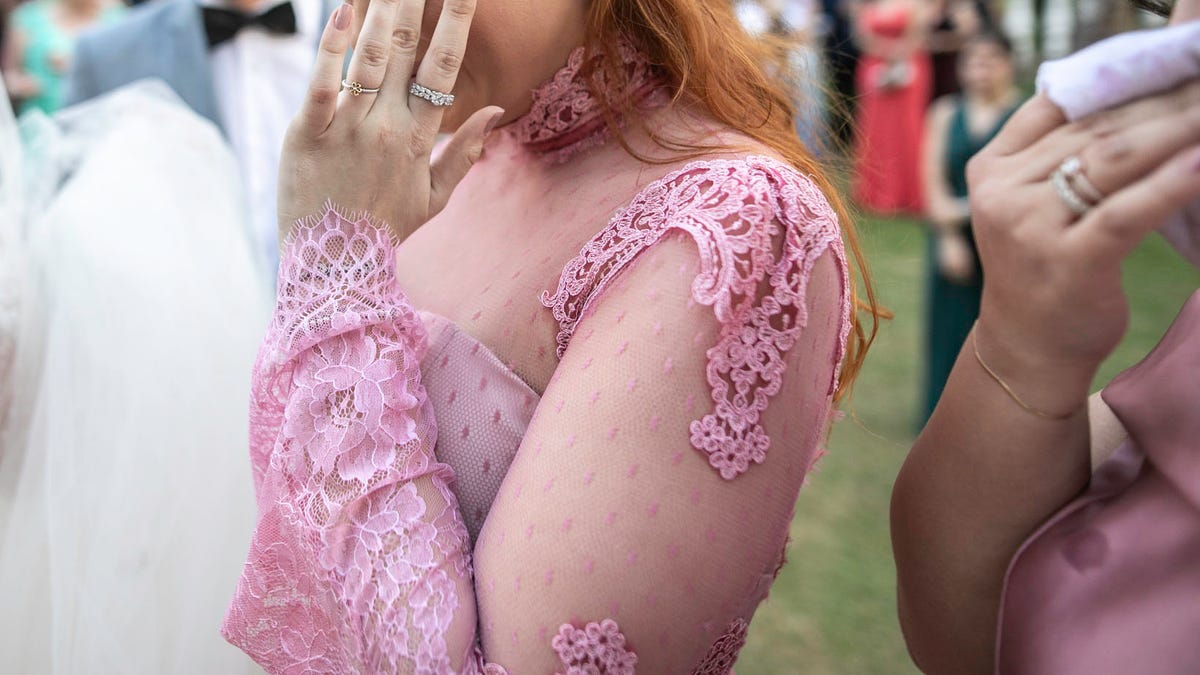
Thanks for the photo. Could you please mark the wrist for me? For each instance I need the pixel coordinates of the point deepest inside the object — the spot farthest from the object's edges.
(1054, 386)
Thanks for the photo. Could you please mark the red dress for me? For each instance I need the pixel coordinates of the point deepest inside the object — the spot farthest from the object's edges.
(891, 122)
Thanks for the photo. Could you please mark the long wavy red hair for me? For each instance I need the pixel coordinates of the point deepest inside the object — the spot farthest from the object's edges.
(735, 77)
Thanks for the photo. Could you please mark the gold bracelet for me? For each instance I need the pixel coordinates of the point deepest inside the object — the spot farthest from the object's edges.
(1007, 389)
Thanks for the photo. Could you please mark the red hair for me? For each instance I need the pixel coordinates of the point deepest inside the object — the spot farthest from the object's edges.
(713, 61)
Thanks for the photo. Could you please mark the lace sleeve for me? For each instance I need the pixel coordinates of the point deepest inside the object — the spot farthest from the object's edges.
(358, 562)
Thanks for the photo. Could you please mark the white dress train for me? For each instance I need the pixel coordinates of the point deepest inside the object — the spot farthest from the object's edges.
(130, 314)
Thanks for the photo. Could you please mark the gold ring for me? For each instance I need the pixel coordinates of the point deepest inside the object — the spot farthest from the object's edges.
(356, 88)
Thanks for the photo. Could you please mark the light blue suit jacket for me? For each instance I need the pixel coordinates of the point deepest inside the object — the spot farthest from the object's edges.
(162, 39)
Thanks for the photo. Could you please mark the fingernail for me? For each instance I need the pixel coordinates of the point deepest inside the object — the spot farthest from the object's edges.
(487, 131)
(341, 17)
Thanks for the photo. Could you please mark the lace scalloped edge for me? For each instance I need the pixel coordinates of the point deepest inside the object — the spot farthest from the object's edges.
(312, 221)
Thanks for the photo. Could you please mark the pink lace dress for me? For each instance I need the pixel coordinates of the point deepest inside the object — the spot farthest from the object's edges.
(529, 437)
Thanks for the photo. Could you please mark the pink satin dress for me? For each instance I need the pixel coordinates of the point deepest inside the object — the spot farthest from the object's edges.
(1111, 584)
(561, 428)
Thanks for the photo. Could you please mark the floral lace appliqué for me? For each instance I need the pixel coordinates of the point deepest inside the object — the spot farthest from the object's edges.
(595, 649)
(753, 220)
(567, 118)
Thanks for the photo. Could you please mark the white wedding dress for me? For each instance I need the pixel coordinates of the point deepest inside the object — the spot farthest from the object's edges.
(130, 313)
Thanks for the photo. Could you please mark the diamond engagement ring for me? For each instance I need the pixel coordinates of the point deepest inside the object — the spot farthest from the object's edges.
(1072, 167)
(437, 98)
(1061, 180)
(356, 88)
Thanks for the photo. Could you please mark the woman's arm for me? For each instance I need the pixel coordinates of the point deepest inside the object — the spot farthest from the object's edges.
(986, 471)
(637, 495)
(359, 556)
(20, 85)
(357, 525)
(981, 476)
(946, 212)
(616, 510)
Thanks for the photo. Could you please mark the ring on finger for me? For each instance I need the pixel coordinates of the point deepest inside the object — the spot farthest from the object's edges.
(1072, 167)
(356, 88)
(437, 98)
(1066, 192)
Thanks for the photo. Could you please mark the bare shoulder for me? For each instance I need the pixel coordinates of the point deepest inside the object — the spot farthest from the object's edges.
(941, 109)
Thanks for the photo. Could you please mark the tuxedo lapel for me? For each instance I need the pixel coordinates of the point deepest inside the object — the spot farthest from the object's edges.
(184, 49)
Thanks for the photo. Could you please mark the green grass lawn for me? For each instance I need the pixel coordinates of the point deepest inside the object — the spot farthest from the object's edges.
(832, 610)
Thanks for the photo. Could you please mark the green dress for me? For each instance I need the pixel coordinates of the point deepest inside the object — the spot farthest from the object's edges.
(952, 308)
(48, 50)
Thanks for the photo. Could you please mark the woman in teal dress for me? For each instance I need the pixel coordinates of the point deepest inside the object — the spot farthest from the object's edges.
(39, 46)
(958, 126)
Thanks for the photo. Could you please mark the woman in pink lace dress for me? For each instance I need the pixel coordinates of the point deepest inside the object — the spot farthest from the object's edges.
(512, 405)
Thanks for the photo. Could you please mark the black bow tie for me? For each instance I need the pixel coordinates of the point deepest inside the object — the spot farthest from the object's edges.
(222, 25)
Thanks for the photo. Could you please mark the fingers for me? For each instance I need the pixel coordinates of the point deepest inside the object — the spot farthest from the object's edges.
(439, 68)
(1114, 162)
(320, 104)
(460, 154)
(1115, 227)
(1032, 121)
(406, 37)
(370, 59)
(1042, 157)
(360, 16)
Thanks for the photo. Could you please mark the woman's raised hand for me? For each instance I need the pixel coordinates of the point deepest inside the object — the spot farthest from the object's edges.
(371, 151)
(1053, 307)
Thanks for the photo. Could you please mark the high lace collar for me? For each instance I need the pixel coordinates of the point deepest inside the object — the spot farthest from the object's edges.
(566, 118)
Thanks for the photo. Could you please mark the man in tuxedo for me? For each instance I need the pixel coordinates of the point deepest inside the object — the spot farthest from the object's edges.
(243, 64)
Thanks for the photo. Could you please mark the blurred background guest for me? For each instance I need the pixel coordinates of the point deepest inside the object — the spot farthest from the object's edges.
(893, 85)
(952, 23)
(243, 64)
(39, 45)
(958, 127)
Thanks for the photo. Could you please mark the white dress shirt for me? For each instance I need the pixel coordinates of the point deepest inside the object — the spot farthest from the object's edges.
(260, 80)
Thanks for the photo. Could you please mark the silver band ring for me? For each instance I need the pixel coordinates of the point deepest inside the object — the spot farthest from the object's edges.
(1067, 194)
(356, 88)
(1073, 168)
(437, 98)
